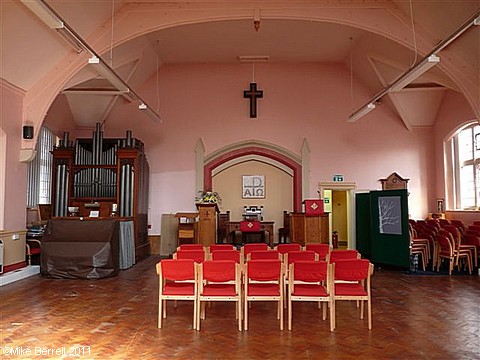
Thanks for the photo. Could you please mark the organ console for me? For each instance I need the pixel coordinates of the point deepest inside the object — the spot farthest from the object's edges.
(105, 175)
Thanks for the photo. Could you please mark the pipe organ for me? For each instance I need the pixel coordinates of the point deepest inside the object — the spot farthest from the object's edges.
(107, 175)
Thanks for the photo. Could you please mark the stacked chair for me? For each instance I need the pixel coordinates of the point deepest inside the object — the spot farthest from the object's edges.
(446, 241)
(284, 275)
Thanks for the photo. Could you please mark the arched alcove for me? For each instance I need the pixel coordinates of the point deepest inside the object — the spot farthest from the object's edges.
(253, 149)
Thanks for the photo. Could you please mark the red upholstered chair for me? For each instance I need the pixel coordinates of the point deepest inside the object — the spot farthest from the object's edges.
(262, 281)
(323, 250)
(34, 247)
(264, 255)
(294, 256)
(233, 255)
(191, 247)
(248, 248)
(352, 282)
(197, 255)
(336, 255)
(219, 280)
(306, 255)
(285, 248)
(177, 281)
(219, 247)
(458, 246)
(446, 251)
(311, 281)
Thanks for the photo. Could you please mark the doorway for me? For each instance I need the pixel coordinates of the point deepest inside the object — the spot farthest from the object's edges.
(339, 202)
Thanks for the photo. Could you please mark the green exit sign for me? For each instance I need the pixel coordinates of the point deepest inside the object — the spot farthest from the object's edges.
(337, 177)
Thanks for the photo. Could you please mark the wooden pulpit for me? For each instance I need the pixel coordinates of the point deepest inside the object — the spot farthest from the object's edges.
(207, 224)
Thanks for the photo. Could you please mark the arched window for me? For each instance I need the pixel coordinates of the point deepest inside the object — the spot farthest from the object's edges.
(463, 163)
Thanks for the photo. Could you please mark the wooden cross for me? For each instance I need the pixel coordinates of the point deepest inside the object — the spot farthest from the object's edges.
(253, 94)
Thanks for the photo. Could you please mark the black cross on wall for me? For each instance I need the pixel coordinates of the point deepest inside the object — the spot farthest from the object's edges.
(253, 94)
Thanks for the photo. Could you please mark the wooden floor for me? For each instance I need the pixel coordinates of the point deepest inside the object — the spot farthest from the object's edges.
(414, 317)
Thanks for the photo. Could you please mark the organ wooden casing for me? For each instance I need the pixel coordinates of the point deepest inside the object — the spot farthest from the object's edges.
(105, 175)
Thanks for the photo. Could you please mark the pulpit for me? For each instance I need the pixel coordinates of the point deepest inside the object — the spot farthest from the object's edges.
(207, 224)
(305, 228)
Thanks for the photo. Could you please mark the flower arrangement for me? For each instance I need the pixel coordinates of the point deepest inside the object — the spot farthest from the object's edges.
(208, 197)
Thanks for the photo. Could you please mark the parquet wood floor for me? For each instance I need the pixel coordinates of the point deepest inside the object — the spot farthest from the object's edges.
(414, 317)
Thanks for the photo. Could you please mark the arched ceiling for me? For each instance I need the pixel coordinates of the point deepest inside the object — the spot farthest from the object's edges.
(347, 32)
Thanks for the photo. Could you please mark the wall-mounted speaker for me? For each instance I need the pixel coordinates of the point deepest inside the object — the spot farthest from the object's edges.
(28, 132)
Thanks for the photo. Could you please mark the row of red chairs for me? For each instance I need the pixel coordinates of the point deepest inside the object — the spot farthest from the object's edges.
(264, 280)
(437, 243)
(314, 251)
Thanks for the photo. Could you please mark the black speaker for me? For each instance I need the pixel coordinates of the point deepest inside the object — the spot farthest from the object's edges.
(28, 132)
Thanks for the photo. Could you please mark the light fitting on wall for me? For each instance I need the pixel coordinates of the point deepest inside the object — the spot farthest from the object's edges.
(45, 13)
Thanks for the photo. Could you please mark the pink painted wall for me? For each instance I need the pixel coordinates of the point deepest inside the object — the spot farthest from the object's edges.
(309, 101)
(11, 102)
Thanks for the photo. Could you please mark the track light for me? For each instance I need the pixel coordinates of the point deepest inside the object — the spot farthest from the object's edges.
(361, 113)
(53, 20)
(44, 12)
(415, 72)
(104, 70)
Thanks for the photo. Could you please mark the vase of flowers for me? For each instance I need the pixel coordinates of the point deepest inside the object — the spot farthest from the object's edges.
(208, 197)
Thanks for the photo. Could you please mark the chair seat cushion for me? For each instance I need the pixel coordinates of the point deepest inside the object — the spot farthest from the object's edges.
(175, 288)
(219, 290)
(309, 290)
(350, 290)
(263, 290)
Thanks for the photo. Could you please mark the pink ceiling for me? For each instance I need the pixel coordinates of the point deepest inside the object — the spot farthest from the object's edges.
(374, 39)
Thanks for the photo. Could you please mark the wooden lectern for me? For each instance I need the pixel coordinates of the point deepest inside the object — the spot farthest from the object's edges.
(207, 224)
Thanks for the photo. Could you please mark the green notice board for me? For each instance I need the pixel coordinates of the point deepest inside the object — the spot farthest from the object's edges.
(382, 227)
(390, 235)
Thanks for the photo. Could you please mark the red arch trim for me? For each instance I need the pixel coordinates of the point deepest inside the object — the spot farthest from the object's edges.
(268, 153)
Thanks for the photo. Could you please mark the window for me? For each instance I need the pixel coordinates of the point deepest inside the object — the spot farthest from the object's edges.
(39, 183)
(464, 163)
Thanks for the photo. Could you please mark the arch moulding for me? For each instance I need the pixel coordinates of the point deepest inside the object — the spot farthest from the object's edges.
(238, 152)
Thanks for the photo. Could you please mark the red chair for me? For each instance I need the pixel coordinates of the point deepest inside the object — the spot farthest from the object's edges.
(191, 247)
(219, 280)
(306, 255)
(336, 255)
(458, 246)
(352, 282)
(294, 256)
(220, 247)
(248, 248)
(311, 281)
(285, 248)
(264, 255)
(197, 255)
(177, 281)
(446, 252)
(262, 281)
(323, 250)
(233, 255)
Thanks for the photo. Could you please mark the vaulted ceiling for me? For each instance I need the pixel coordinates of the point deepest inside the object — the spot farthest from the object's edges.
(351, 33)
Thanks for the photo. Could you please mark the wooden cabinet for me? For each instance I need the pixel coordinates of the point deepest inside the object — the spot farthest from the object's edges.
(207, 224)
(309, 229)
(187, 223)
